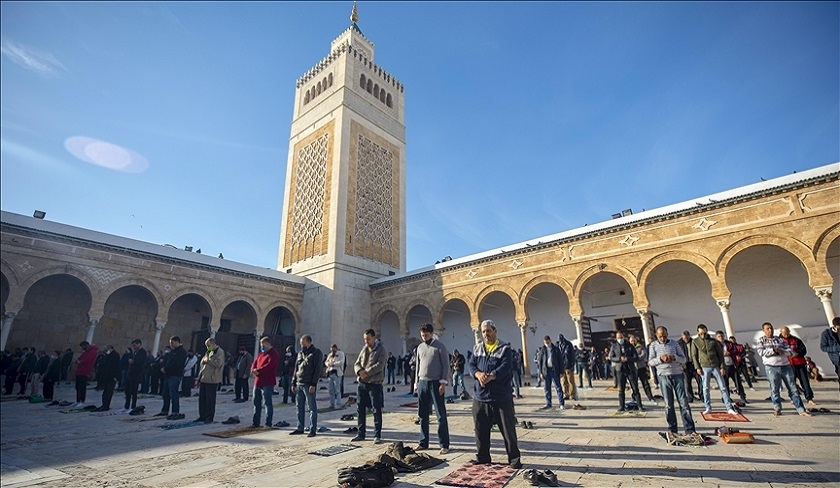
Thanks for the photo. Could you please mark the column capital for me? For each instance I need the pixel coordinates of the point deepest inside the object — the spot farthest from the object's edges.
(577, 319)
(10, 314)
(723, 303)
(823, 292)
(643, 312)
(160, 326)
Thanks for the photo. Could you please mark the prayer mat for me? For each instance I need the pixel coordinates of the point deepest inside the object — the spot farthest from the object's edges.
(479, 476)
(147, 418)
(180, 425)
(409, 405)
(333, 450)
(74, 410)
(686, 440)
(108, 413)
(237, 432)
(724, 417)
(615, 388)
(630, 413)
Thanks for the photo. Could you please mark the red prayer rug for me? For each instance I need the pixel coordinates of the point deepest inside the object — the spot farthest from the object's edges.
(409, 405)
(724, 417)
(479, 476)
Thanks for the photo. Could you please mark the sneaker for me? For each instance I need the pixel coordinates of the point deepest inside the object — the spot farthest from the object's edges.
(358, 438)
(732, 411)
(562, 407)
(707, 411)
(78, 405)
(444, 450)
(377, 440)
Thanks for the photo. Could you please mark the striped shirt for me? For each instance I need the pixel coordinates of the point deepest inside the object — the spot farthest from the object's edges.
(657, 349)
(767, 347)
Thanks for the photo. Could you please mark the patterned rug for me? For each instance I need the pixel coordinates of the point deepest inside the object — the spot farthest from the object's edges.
(108, 413)
(724, 417)
(74, 410)
(479, 476)
(237, 432)
(333, 450)
(147, 418)
(630, 413)
(686, 440)
(180, 425)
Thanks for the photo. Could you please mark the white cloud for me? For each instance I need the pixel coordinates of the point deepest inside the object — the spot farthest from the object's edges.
(32, 59)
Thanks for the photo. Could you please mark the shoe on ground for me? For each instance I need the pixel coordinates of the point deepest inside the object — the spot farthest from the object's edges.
(732, 411)
(161, 414)
(516, 465)
(707, 411)
(562, 407)
(444, 450)
(476, 461)
(377, 440)
(548, 477)
(311, 433)
(620, 410)
(199, 420)
(358, 438)
(176, 416)
(544, 407)
(296, 432)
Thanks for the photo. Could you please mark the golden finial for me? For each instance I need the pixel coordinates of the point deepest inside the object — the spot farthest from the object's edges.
(354, 15)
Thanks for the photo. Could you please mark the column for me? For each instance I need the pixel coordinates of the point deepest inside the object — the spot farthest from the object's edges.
(723, 303)
(404, 340)
(256, 343)
(477, 334)
(644, 313)
(578, 329)
(91, 328)
(156, 344)
(523, 326)
(8, 318)
(824, 294)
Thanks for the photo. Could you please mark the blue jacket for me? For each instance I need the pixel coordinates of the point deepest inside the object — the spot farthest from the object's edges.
(500, 363)
(830, 344)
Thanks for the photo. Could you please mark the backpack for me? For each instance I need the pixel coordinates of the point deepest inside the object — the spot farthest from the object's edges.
(374, 475)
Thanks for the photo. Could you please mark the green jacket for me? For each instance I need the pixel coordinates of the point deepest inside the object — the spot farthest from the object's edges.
(211, 366)
(706, 352)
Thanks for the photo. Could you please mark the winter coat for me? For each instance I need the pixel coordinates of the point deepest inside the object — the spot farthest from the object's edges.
(499, 363)
(175, 361)
(706, 352)
(211, 366)
(265, 368)
(309, 366)
(372, 361)
(86, 361)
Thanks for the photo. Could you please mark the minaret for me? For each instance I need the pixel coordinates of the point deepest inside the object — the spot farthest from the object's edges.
(344, 200)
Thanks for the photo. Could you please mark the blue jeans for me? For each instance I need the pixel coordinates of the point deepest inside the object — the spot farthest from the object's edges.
(335, 390)
(552, 375)
(304, 399)
(674, 385)
(724, 394)
(392, 377)
(457, 379)
(777, 375)
(262, 394)
(171, 394)
(428, 392)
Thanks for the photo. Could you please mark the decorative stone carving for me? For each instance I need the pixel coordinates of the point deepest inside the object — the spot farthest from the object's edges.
(310, 192)
(25, 266)
(515, 264)
(103, 276)
(374, 193)
(628, 240)
(704, 224)
(471, 274)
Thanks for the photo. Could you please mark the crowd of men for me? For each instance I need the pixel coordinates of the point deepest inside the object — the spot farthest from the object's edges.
(674, 366)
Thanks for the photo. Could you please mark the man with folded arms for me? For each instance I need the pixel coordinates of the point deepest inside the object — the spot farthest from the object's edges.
(432, 374)
(668, 358)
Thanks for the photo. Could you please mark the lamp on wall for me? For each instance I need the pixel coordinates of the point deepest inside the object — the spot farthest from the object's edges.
(533, 329)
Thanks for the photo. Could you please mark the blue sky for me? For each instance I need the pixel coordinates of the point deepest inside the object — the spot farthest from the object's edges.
(523, 119)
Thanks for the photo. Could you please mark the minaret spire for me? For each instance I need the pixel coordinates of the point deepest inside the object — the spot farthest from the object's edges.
(354, 15)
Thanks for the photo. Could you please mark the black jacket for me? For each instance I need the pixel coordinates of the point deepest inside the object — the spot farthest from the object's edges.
(628, 351)
(309, 366)
(557, 360)
(109, 369)
(135, 369)
(175, 362)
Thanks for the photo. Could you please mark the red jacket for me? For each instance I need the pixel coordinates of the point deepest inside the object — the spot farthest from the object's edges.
(798, 348)
(86, 361)
(266, 363)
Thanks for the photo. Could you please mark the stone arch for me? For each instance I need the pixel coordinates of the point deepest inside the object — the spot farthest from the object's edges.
(288, 306)
(363, 81)
(15, 299)
(411, 305)
(382, 96)
(389, 101)
(493, 288)
(454, 295)
(9, 271)
(330, 80)
(376, 90)
(791, 245)
(377, 316)
(86, 279)
(244, 298)
(175, 295)
(821, 249)
(318, 88)
(719, 288)
(306, 97)
(541, 279)
(639, 298)
(135, 281)
(369, 86)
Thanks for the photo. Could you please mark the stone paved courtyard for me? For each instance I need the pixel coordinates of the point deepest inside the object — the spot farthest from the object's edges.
(588, 448)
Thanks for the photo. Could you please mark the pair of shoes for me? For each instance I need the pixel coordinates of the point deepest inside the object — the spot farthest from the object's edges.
(732, 411)
(377, 440)
(527, 425)
(296, 432)
(420, 447)
(176, 416)
(578, 406)
(231, 420)
(358, 438)
(312, 433)
(281, 423)
(352, 430)
(444, 450)
(161, 414)
(540, 478)
(349, 416)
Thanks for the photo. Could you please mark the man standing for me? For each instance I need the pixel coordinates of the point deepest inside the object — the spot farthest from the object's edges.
(830, 344)
(623, 358)
(209, 378)
(242, 370)
(551, 365)
(264, 370)
(84, 368)
(457, 372)
(173, 371)
(582, 359)
(136, 365)
(288, 374)
(668, 358)
(432, 374)
(110, 374)
(567, 353)
(188, 380)
(335, 373)
(798, 363)
(308, 369)
(38, 372)
(369, 368)
(707, 356)
(730, 354)
(491, 365)
(774, 352)
(690, 370)
(642, 366)
(392, 368)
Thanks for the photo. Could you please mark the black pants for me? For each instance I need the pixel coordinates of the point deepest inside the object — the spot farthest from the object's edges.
(81, 388)
(156, 381)
(501, 413)
(131, 386)
(9, 383)
(186, 386)
(49, 389)
(370, 395)
(241, 388)
(207, 401)
(642, 373)
(691, 375)
(622, 375)
(732, 373)
(107, 392)
(22, 379)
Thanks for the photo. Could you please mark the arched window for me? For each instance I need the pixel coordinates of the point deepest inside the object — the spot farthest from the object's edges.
(325, 84)
(363, 82)
(306, 98)
(382, 96)
(369, 86)
(318, 88)
(376, 91)
(388, 101)
(330, 79)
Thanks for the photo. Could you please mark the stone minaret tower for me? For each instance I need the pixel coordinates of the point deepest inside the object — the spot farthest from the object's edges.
(344, 200)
